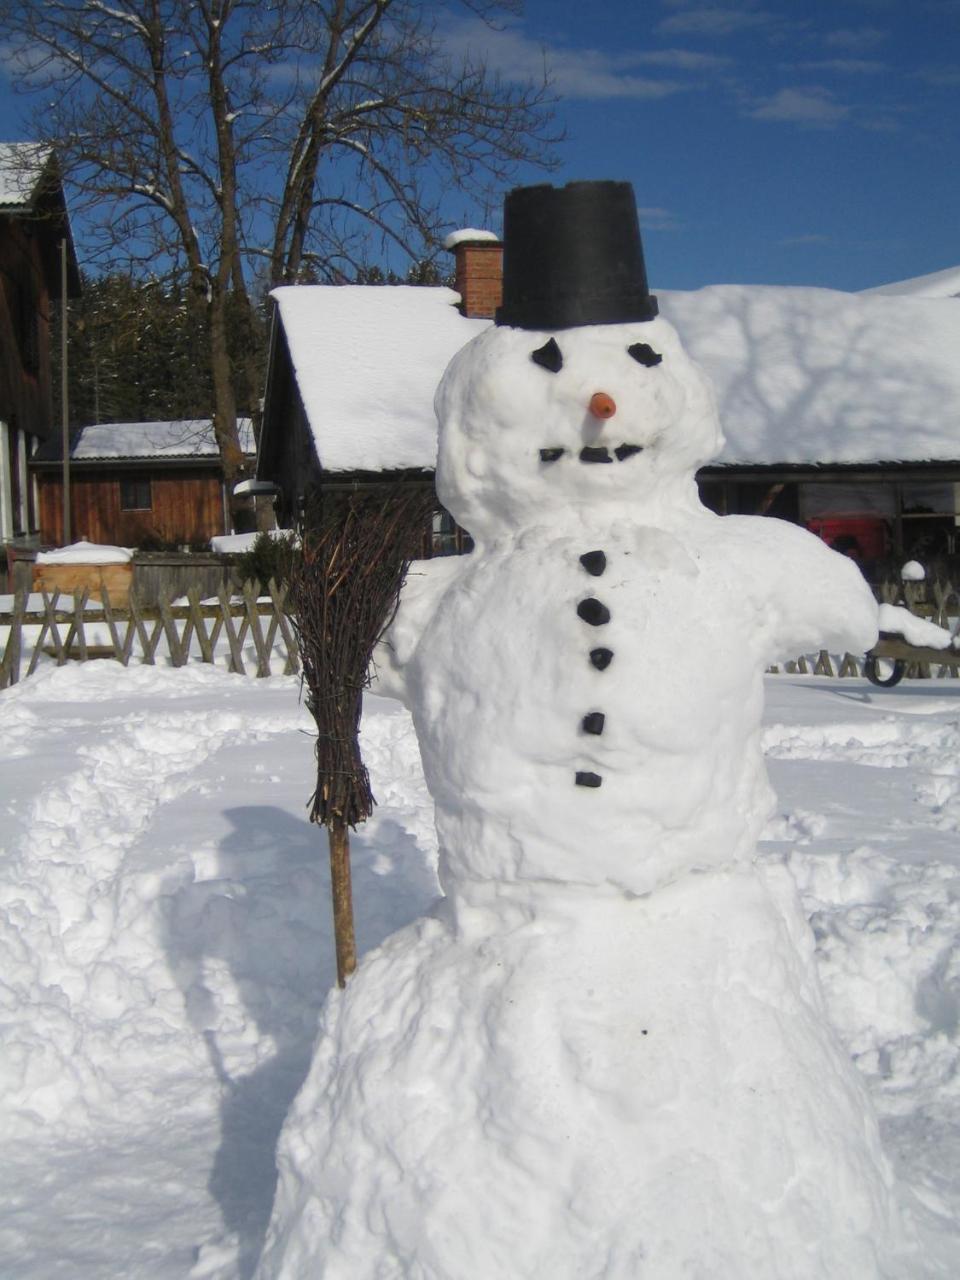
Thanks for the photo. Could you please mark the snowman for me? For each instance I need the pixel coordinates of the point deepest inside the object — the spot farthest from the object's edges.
(605, 1052)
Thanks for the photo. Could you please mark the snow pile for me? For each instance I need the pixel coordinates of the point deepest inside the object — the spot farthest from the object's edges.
(79, 948)
(86, 553)
(175, 1176)
(607, 1051)
(164, 950)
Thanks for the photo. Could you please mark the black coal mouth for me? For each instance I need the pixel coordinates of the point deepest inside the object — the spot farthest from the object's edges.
(595, 453)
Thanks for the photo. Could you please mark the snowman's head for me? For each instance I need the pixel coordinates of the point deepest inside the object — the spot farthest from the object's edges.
(612, 416)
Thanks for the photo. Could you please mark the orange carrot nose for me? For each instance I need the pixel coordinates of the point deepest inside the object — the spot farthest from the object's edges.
(602, 405)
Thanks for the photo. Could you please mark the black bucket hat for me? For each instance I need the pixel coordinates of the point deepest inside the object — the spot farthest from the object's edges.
(572, 256)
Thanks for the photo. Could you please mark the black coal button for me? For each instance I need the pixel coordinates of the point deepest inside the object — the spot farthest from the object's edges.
(593, 612)
(593, 722)
(587, 779)
(594, 562)
(551, 455)
(627, 451)
(601, 658)
(595, 453)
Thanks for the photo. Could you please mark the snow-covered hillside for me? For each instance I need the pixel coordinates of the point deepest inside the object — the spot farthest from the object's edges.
(165, 944)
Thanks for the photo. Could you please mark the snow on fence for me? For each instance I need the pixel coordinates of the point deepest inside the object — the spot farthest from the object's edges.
(937, 599)
(246, 633)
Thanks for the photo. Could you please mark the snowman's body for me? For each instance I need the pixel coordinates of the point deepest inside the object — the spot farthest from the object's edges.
(683, 611)
(606, 1055)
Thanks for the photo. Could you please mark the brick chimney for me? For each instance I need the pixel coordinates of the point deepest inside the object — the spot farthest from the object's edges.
(479, 271)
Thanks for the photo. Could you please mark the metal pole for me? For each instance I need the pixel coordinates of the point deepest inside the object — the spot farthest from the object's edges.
(64, 393)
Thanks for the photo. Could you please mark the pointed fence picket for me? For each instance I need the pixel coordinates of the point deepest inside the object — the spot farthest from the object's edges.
(247, 634)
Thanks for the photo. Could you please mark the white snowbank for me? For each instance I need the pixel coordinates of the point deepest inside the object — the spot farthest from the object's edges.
(164, 928)
(86, 553)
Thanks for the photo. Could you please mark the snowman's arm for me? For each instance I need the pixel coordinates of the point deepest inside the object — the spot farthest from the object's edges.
(423, 588)
(809, 596)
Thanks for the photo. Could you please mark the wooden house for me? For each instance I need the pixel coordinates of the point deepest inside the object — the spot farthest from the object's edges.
(34, 228)
(155, 485)
(841, 411)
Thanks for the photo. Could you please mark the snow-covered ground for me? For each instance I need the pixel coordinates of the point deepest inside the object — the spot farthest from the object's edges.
(165, 943)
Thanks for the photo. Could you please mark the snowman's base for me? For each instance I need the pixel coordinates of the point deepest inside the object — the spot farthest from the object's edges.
(569, 1084)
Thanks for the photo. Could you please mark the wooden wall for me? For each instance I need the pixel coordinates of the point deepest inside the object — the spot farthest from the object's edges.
(25, 394)
(186, 507)
(287, 453)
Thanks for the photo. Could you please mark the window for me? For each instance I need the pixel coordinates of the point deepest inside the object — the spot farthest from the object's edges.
(448, 538)
(135, 493)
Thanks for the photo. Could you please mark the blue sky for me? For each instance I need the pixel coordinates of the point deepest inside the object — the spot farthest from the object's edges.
(776, 141)
(768, 141)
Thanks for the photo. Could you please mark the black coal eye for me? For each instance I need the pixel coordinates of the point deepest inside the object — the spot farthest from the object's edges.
(548, 356)
(644, 354)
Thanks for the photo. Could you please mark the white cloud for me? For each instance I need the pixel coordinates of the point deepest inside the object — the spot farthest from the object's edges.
(575, 73)
(683, 60)
(653, 218)
(846, 66)
(809, 106)
(942, 77)
(713, 20)
(857, 39)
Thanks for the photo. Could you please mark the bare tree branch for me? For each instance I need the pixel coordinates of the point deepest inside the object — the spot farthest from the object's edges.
(202, 137)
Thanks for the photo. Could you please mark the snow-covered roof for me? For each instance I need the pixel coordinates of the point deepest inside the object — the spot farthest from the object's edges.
(367, 360)
(22, 166)
(815, 375)
(802, 375)
(938, 284)
(186, 438)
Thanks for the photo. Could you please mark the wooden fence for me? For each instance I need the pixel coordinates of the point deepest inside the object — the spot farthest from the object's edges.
(251, 634)
(246, 634)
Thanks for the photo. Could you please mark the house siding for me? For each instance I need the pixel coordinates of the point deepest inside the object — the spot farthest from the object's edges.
(25, 390)
(186, 506)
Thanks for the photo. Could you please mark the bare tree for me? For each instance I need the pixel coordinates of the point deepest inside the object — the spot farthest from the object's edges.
(233, 142)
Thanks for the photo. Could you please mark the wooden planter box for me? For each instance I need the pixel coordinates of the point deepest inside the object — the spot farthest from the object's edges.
(73, 579)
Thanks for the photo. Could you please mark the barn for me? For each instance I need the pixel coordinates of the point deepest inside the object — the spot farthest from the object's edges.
(37, 261)
(153, 485)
